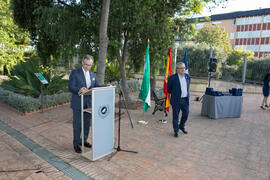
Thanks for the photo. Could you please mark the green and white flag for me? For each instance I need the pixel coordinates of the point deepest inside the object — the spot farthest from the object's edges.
(145, 88)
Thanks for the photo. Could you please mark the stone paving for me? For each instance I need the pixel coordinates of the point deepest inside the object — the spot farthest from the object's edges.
(230, 149)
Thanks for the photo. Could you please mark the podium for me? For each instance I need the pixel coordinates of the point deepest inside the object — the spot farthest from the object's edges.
(102, 129)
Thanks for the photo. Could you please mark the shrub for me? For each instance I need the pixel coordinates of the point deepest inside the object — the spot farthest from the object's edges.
(19, 102)
(133, 85)
(27, 104)
(236, 57)
(230, 73)
(112, 71)
(24, 81)
(198, 57)
(56, 99)
(256, 69)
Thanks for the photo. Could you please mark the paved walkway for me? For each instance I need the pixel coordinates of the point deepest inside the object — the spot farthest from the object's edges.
(231, 149)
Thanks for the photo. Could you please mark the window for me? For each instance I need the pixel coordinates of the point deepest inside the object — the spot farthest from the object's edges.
(232, 36)
(266, 19)
(199, 26)
(233, 22)
(217, 22)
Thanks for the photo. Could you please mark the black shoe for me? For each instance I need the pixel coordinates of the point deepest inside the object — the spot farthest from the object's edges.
(267, 106)
(183, 130)
(87, 144)
(175, 134)
(77, 149)
(262, 107)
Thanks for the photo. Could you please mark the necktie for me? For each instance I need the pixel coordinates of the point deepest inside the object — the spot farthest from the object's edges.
(87, 78)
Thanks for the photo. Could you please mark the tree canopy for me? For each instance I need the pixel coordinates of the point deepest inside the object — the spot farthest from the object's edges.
(63, 28)
(236, 57)
(13, 40)
(214, 36)
(133, 23)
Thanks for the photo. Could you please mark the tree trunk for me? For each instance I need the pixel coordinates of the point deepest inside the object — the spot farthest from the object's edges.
(103, 41)
(152, 80)
(122, 61)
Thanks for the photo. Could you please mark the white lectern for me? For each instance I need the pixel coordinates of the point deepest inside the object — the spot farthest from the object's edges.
(102, 128)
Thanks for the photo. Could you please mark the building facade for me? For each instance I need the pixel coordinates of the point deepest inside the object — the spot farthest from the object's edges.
(249, 30)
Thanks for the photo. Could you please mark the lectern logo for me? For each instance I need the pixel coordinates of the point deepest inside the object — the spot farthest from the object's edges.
(103, 111)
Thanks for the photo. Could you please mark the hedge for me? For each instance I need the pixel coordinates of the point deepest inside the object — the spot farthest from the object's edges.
(198, 57)
(255, 72)
(27, 104)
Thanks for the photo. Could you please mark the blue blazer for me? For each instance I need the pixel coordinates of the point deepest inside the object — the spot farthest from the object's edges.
(76, 82)
(174, 87)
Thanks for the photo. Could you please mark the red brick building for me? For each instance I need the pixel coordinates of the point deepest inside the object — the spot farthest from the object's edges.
(249, 30)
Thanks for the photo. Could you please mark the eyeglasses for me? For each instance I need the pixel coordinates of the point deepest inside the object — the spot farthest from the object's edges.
(180, 68)
(89, 65)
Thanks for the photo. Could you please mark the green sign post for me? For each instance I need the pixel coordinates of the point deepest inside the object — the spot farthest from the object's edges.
(43, 81)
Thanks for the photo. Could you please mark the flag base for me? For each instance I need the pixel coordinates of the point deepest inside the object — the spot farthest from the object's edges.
(143, 122)
(163, 121)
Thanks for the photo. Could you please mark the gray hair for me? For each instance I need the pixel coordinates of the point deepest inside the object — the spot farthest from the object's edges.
(180, 63)
(89, 57)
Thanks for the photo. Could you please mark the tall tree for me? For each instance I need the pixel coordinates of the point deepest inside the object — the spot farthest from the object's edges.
(103, 41)
(214, 36)
(120, 25)
(31, 16)
(59, 28)
(133, 22)
(13, 40)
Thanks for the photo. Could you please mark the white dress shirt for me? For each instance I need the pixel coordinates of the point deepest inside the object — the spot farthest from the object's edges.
(183, 83)
(87, 78)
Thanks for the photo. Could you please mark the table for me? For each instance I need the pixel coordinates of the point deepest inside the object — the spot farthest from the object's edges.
(216, 107)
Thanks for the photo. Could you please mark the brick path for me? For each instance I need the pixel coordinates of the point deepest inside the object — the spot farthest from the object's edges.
(231, 149)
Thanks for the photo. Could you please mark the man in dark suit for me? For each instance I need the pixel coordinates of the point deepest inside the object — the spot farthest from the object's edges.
(178, 86)
(81, 80)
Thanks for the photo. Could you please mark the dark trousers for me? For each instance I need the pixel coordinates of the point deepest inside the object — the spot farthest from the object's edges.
(184, 107)
(77, 126)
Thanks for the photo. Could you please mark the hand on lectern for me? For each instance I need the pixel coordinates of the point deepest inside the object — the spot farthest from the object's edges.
(82, 90)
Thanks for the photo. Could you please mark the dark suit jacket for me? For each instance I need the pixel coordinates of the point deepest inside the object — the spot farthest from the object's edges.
(76, 82)
(174, 87)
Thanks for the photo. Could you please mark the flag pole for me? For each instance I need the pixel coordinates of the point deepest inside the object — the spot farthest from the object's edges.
(162, 120)
(163, 117)
(168, 73)
(145, 82)
(142, 121)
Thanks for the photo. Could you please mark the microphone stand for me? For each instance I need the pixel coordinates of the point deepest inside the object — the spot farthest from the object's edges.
(119, 122)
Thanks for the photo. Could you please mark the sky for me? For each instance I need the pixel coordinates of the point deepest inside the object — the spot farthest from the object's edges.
(237, 5)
